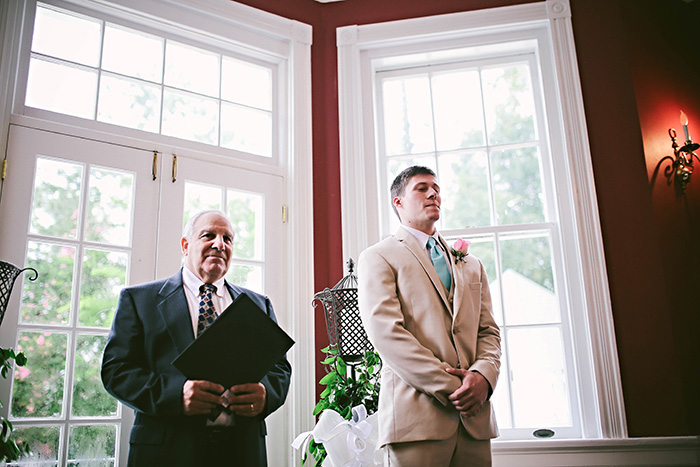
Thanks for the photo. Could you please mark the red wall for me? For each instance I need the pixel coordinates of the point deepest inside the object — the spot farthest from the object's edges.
(635, 76)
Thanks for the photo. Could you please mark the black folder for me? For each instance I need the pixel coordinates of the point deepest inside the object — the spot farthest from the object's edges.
(239, 347)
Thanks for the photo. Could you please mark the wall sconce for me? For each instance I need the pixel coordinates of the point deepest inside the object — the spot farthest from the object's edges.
(683, 156)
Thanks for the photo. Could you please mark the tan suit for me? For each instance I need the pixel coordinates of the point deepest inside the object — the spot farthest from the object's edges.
(420, 329)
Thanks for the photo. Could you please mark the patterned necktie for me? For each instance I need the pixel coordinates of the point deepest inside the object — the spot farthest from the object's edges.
(207, 312)
(440, 263)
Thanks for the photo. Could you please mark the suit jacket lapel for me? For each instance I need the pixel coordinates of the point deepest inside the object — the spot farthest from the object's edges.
(234, 290)
(411, 242)
(175, 312)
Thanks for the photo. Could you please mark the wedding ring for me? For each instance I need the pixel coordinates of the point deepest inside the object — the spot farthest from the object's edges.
(252, 407)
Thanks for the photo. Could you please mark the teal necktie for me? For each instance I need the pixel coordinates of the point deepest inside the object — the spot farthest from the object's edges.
(440, 263)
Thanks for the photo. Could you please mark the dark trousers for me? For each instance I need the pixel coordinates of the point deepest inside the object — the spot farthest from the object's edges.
(235, 447)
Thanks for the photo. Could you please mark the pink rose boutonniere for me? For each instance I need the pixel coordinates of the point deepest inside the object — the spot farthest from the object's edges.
(460, 250)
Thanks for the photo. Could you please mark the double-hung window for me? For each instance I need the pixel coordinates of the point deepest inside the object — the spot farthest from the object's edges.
(477, 98)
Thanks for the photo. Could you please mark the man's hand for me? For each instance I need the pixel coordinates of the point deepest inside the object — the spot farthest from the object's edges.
(473, 392)
(200, 397)
(247, 400)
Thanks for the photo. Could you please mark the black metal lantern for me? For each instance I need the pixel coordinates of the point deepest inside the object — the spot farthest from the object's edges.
(345, 330)
(8, 274)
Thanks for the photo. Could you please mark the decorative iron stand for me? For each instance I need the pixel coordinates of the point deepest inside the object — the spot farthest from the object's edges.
(345, 330)
(8, 274)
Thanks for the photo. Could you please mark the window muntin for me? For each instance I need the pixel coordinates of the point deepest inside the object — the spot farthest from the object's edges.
(476, 124)
(246, 210)
(79, 237)
(85, 67)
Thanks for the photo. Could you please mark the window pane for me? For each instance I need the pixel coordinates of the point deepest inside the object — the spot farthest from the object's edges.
(395, 165)
(465, 190)
(118, 55)
(104, 275)
(56, 199)
(408, 116)
(245, 129)
(67, 35)
(129, 103)
(483, 247)
(61, 88)
(540, 390)
(110, 206)
(509, 104)
(42, 440)
(199, 197)
(517, 186)
(528, 283)
(501, 395)
(459, 118)
(191, 117)
(246, 275)
(246, 212)
(247, 84)
(38, 387)
(90, 399)
(95, 443)
(191, 69)
(47, 300)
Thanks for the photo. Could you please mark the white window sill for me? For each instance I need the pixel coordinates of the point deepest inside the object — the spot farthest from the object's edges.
(678, 451)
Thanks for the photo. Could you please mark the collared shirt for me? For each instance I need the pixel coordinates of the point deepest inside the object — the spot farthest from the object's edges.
(423, 237)
(222, 298)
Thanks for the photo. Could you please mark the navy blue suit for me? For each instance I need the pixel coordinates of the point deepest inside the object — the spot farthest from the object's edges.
(152, 325)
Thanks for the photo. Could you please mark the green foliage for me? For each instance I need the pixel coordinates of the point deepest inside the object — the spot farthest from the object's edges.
(345, 390)
(39, 388)
(9, 449)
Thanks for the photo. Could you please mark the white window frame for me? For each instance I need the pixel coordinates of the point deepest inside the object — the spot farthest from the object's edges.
(361, 48)
(256, 34)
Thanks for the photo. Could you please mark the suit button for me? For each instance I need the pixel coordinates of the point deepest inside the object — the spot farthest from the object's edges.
(455, 330)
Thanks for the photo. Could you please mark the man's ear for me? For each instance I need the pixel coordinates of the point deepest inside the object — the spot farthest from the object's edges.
(397, 202)
(184, 244)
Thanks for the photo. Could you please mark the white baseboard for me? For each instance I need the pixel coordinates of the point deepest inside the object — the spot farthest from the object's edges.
(671, 451)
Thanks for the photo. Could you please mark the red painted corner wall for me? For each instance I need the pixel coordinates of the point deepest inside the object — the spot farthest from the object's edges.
(638, 63)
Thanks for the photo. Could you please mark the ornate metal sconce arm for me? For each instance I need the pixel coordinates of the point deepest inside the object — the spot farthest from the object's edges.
(683, 159)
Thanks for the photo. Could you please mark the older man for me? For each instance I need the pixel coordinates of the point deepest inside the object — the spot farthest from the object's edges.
(428, 314)
(156, 321)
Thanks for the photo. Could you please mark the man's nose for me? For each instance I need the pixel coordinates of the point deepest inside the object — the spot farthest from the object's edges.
(432, 194)
(219, 242)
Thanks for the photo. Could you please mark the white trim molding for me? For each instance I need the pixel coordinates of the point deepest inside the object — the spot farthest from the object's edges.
(676, 451)
(362, 48)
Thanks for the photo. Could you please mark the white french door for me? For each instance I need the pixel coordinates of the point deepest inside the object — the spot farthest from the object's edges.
(91, 218)
(253, 200)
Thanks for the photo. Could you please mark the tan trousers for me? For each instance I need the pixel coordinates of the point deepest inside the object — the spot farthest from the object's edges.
(460, 450)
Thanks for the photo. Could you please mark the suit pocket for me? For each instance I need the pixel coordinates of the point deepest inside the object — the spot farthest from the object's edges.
(475, 286)
(149, 434)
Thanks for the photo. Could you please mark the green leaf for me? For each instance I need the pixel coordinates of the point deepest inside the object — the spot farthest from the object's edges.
(325, 392)
(21, 359)
(320, 407)
(342, 367)
(334, 351)
(329, 378)
(329, 361)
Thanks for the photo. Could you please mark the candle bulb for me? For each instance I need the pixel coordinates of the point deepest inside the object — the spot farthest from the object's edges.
(684, 122)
